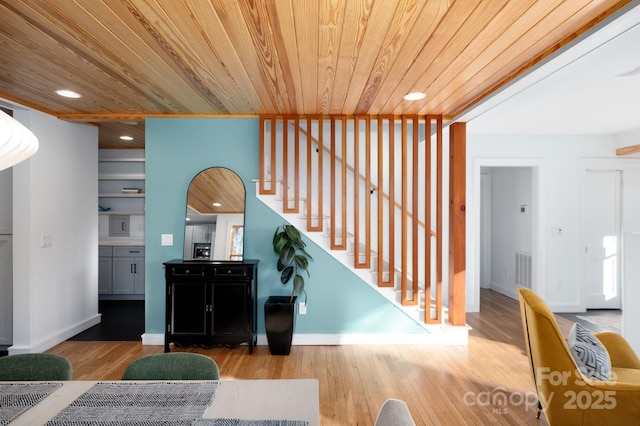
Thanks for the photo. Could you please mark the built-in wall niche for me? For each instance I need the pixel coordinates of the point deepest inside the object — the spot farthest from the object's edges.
(121, 181)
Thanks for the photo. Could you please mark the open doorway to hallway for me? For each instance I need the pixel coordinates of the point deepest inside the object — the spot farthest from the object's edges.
(507, 209)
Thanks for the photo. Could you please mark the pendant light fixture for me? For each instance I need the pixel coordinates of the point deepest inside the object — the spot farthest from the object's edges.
(17, 143)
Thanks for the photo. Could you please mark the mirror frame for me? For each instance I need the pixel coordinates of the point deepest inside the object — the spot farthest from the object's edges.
(204, 200)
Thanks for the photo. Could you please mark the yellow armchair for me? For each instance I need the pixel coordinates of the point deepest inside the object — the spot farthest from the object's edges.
(566, 396)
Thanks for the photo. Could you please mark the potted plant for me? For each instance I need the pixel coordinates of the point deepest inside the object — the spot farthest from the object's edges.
(279, 311)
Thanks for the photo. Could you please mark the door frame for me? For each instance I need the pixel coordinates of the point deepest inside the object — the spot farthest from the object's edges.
(601, 164)
(474, 223)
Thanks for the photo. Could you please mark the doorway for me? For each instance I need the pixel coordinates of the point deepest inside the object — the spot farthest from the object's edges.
(506, 229)
(603, 232)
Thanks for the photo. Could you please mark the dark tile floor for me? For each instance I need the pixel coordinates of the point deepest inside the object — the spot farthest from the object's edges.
(122, 320)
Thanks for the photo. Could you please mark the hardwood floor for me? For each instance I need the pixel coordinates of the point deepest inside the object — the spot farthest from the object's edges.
(443, 385)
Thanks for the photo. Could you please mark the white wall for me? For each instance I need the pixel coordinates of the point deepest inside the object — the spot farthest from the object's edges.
(55, 194)
(559, 165)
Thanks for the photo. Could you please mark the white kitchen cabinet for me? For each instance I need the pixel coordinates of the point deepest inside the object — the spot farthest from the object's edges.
(202, 233)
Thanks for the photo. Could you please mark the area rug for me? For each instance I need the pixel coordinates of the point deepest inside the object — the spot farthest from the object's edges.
(142, 404)
(238, 422)
(16, 398)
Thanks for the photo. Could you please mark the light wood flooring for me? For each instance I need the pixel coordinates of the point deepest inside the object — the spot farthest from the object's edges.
(443, 385)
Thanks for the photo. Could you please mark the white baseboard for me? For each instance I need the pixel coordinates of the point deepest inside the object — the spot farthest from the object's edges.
(446, 335)
(45, 344)
(153, 339)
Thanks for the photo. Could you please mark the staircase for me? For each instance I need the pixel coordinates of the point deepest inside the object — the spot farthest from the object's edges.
(368, 190)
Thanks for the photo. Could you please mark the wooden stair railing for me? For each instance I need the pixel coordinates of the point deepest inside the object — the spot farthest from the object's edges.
(420, 177)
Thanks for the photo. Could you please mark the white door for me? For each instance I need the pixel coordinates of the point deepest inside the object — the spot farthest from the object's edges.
(602, 213)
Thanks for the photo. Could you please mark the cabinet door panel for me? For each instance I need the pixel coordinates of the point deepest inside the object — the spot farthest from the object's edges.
(104, 275)
(189, 303)
(123, 276)
(138, 271)
(229, 308)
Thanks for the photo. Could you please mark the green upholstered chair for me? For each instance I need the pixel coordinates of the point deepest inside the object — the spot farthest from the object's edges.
(172, 366)
(35, 367)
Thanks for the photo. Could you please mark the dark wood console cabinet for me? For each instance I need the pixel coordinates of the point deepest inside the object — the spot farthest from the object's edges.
(211, 303)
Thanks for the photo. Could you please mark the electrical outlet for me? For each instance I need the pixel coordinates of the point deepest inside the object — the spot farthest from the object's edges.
(303, 308)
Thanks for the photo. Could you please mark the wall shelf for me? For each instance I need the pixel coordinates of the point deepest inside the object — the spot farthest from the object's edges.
(118, 169)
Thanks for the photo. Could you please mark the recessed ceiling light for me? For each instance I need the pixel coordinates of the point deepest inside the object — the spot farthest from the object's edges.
(415, 96)
(126, 138)
(217, 205)
(68, 93)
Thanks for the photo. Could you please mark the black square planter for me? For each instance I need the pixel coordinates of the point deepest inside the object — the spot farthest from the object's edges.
(279, 320)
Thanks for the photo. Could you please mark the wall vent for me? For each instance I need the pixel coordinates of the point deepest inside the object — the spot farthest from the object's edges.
(523, 269)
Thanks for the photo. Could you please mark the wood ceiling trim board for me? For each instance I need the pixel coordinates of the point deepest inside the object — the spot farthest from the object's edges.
(457, 48)
(150, 59)
(234, 26)
(449, 26)
(351, 42)
(483, 49)
(306, 13)
(96, 58)
(26, 42)
(429, 31)
(330, 33)
(479, 78)
(75, 77)
(233, 21)
(282, 21)
(186, 70)
(628, 150)
(228, 61)
(376, 28)
(523, 56)
(403, 20)
(126, 116)
(257, 22)
(287, 57)
(192, 36)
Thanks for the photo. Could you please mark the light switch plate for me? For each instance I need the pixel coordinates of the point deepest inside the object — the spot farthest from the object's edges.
(167, 239)
(46, 240)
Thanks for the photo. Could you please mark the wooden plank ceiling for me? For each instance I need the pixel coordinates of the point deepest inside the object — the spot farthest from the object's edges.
(132, 59)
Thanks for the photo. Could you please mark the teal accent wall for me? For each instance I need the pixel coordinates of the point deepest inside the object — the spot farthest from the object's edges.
(176, 150)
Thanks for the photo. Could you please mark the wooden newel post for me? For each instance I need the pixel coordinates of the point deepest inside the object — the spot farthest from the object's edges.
(457, 231)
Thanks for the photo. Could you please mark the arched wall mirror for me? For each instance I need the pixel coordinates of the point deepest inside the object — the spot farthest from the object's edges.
(214, 227)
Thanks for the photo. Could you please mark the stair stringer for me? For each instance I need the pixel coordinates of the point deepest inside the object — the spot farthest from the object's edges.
(442, 333)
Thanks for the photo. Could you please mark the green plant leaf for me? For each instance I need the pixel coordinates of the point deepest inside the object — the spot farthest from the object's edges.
(287, 255)
(279, 242)
(280, 266)
(298, 284)
(302, 262)
(294, 235)
(286, 275)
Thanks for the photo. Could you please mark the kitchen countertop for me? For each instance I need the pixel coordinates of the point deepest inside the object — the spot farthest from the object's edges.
(120, 242)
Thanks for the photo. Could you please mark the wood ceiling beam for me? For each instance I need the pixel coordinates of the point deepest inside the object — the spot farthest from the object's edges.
(632, 149)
